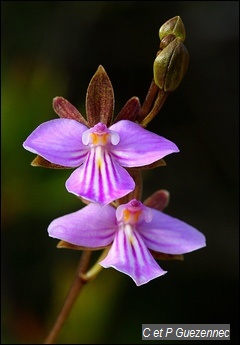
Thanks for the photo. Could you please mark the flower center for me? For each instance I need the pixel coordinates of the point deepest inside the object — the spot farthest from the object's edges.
(100, 135)
(130, 215)
(99, 139)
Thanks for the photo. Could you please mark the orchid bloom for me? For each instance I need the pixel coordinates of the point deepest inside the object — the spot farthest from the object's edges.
(132, 231)
(99, 151)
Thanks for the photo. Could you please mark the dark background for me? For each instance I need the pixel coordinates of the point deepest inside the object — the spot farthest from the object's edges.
(53, 48)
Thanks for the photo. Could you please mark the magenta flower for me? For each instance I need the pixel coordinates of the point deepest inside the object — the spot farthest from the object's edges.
(102, 152)
(133, 230)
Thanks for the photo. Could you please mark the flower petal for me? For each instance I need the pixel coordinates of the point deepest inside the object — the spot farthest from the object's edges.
(132, 258)
(59, 141)
(92, 226)
(138, 146)
(66, 110)
(137, 192)
(170, 235)
(100, 182)
(158, 200)
(100, 99)
(39, 161)
(130, 110)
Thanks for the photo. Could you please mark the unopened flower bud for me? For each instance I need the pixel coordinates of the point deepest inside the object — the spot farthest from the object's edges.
(173, 26)
(166, 41)
(171, 65)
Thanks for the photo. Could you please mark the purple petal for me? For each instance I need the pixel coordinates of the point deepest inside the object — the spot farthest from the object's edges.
(93, 226)
(170, 235)
(59, 141)
(132, 258)
(100, 179)
(138, 146)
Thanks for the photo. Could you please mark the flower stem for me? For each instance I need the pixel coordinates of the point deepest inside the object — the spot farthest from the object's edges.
(93, 272)
(160, 100)
(147, 104)
(154, 101)
(73, 293)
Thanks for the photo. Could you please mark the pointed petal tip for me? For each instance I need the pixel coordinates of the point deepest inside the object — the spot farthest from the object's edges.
(64, 109)
(130, 110)
(158, 200)
(67, 245)
(57, 98)
(34, 162)
(138, 280)
(101, 69)
(44, 163)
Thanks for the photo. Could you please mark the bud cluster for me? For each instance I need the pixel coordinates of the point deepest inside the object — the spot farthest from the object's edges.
(172, 60)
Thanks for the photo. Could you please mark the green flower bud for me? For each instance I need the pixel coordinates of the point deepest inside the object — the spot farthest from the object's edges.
(173, 26)
(171, 65)
(166, 41)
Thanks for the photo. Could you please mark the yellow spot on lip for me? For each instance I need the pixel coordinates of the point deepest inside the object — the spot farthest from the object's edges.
(126, 216)
(99, 163)
(99, 139)
(131, 217)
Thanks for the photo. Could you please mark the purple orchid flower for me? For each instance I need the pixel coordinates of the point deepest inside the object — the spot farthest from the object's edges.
(133, 230)
(99, 154)
(99, 150)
